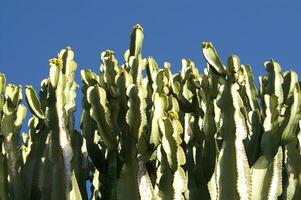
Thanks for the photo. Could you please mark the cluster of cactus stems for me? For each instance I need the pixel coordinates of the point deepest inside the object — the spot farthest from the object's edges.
(148, 133)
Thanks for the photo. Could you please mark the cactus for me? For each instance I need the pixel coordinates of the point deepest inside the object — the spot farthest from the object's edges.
(117, 106)
(147, 132)
(12, 114)
(190, 135)
(55, 149)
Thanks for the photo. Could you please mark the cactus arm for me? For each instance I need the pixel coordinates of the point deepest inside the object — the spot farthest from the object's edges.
(172, 158)
(7, 123)
(232, 157)
(136, 119)
(20, 116)
(212, 58)
(209, 151)
(275, 80)
(209, 128)
(56, 158)
(136, 41)
(68, 66)
(89, 127)
(169, 144)
(109, 71)
(254, 116)
(292, 116)
(51, 146)
(100, 113)
(60, 151)
(88, 77)
(274, 122)
(253, 148)
(54, 71)
(235, 70)
(289, 84)
(33, 160)
(161, 89)
(2, 88)
(12, 114)
(123, 81)
(135, 63)
(157, 113)
(183, 86)
(65, 106)
(266, 172)
(33, 102)
(250, 87)
(136, 68)
(270, 138)
(95, 153)
(136, 116)
(151, 69)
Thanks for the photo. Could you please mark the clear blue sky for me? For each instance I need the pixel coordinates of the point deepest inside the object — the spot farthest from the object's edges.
(33, 31)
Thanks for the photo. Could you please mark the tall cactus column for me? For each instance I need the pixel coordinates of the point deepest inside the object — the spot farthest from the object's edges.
(12, 114)
(232, 173)
(281, 101)
(115, 101)
(54, 112)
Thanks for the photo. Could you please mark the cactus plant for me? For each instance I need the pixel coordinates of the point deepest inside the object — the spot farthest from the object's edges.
(12, 114)
(55, 149)
(147, 132)
(193, 136)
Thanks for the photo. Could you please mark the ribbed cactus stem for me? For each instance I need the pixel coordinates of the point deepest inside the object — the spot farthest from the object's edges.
(67, 149)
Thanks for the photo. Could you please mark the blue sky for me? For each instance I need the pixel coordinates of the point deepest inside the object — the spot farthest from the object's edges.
(33, 31)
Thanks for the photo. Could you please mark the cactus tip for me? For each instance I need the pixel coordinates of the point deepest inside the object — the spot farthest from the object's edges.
(138, 26)
(206, 44)
(56, 61)
(107, 53)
